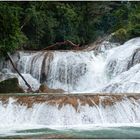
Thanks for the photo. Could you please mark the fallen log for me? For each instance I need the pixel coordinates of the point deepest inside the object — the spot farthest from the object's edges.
(13, 64)
(67, 42)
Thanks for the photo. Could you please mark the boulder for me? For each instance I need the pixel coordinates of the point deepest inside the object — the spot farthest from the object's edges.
(45, 89)
(10, 86)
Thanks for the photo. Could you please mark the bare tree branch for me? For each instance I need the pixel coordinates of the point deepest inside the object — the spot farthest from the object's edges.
(67, 42)
(13, 64)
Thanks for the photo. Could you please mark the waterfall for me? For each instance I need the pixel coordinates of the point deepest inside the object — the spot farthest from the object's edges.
(125, 112)
(111, 68)
(64, 70)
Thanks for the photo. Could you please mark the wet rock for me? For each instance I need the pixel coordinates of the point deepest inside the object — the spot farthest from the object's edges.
(10, 86)
(135, 58)
(48, 58)
(45, 89)
(75, 101)
(110, 100)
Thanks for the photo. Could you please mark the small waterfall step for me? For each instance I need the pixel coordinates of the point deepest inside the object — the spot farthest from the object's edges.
(75, 100)
(51, 110)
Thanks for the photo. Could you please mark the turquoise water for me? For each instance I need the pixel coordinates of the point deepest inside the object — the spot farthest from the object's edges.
(14, 123)
(117, 132)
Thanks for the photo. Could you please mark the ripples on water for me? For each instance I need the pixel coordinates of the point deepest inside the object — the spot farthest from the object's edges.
(93, 132)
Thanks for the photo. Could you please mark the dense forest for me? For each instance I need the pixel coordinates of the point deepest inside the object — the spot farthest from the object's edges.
(36, 25)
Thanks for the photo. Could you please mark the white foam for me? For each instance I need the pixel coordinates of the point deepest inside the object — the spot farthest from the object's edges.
(13, 114)
(84, 71)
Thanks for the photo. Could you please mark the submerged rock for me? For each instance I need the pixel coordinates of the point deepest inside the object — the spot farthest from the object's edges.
(10, 86)
(45, 89)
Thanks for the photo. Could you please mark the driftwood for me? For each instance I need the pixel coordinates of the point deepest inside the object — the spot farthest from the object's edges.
(67, 42)
(13, 64)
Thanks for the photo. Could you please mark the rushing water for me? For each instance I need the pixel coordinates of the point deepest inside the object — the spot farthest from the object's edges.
(110, 69)
(125, 111)
(120, 120)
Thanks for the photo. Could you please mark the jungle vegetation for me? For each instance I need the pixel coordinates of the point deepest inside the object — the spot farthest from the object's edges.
(36, 25)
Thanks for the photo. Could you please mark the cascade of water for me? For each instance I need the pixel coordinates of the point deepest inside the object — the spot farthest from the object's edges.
(122, 58)
(13, 114)
(108, 69)
(71, 71)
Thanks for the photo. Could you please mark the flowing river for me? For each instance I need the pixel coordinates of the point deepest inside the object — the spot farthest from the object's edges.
(101, 98)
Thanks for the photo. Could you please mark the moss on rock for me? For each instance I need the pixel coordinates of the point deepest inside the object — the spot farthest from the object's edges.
(120, 36)
(10, 86)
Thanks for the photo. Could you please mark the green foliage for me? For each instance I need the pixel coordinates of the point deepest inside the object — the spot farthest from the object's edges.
(120, 35)
(129, 19)
(36, 25)
(10, 36)
(134, 31)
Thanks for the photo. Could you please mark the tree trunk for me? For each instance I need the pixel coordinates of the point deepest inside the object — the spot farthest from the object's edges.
(12, 62)
(67, 42)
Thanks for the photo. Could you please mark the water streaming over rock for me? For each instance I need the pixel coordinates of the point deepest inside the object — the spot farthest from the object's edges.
(122, 112)
(111, 68)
